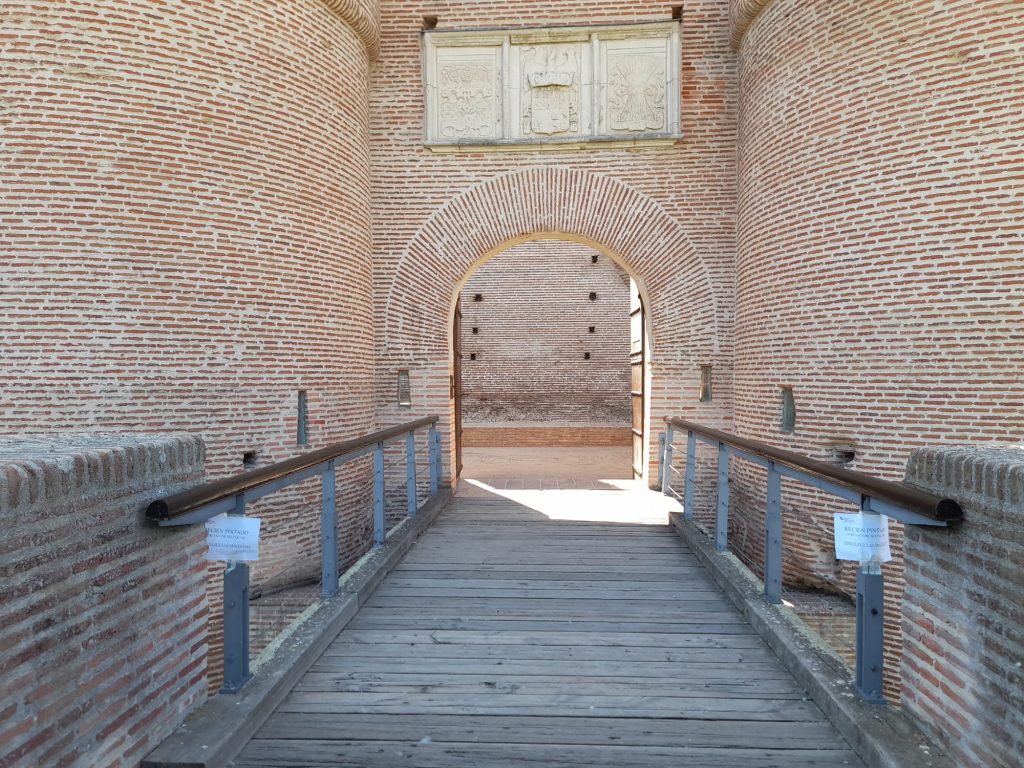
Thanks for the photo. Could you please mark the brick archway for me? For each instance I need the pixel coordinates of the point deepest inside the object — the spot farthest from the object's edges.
(556, 202)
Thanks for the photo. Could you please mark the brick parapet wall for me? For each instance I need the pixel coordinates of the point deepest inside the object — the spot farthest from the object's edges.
(533, 331)
(103, 616)
(963, 611)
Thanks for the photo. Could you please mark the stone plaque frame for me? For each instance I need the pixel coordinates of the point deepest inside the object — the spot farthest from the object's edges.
(551, 87)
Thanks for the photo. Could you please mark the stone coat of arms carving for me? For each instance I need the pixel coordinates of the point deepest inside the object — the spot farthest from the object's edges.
(552, 91)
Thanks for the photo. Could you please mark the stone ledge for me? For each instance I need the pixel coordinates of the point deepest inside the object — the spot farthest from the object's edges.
(882, 736)
(51, 471)
(988, 478)
(216, 732)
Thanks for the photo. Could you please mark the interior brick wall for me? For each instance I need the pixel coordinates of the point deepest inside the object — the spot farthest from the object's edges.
(878, 244)
(532, 332)
(666, 212)
(963, 620)
(103, 616)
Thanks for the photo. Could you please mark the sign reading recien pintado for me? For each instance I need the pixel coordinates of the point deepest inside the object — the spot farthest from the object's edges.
(862, 537)
(232, 537)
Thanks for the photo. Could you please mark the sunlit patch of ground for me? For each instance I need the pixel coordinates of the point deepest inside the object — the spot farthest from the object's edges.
(584, 484)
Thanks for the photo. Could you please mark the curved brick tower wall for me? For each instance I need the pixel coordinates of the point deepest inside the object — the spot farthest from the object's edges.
(879, 269)
(186, 233)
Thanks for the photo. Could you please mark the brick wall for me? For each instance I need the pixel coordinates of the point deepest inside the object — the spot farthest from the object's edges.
(963, 617)
(532, 330)
(186, 236)
(102, 616)
(878, 242)
(665, 214)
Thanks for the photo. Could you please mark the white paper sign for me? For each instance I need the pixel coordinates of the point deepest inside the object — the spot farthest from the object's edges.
(862, 537)
(232, 537)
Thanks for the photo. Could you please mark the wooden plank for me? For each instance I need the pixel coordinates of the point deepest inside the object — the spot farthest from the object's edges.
(544, 606)
(549, 639)
(411, 568)
(718, 625)
(541, 591)
(638, 732)
(287, 753)
(366, 667)
(499, 703)
(552, 685)
(399, 582)
(564, 653)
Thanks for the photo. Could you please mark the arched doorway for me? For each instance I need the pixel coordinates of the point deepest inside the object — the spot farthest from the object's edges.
(685, 299)
(548, 352)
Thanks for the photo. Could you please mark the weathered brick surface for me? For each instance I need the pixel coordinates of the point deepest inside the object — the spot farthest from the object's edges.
(878, 242)
(963, 611)
(532, 332)
(102, 616)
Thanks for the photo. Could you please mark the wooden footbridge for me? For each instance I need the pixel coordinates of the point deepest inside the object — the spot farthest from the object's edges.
(507, 638)
(509, 635)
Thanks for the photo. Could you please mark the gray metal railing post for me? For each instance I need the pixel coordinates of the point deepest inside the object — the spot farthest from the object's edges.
(410, 472)
(236, 618)
(435, 459)
(661, 455)
(722, 506)
(379, 532)
(329, 534)
(691, 474)
(666, 461)
(870, 627)
(773, 538)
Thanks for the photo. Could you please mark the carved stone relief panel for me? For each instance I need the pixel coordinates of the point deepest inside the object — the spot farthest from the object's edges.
(635, 87)
(467, 96)
(532, 86)
(550, 85)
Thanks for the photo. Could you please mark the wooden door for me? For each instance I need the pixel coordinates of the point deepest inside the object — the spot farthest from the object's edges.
(456, 384)
(637, 386)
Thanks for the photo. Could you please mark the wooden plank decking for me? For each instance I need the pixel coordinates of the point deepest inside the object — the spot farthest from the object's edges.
(505, 638)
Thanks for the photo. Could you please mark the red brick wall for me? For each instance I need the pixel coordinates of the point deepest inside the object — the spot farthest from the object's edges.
(879, 241)
(186, 235)
(963, 622)
(102, 616)
(666, 213)
(532, 332)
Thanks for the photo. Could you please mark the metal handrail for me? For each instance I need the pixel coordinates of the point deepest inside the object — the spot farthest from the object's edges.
(873, 495)
(229, 487)
(230, 496)
(897, 493)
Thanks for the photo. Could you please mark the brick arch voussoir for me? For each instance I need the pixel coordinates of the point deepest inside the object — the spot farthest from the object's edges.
(649, 242)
